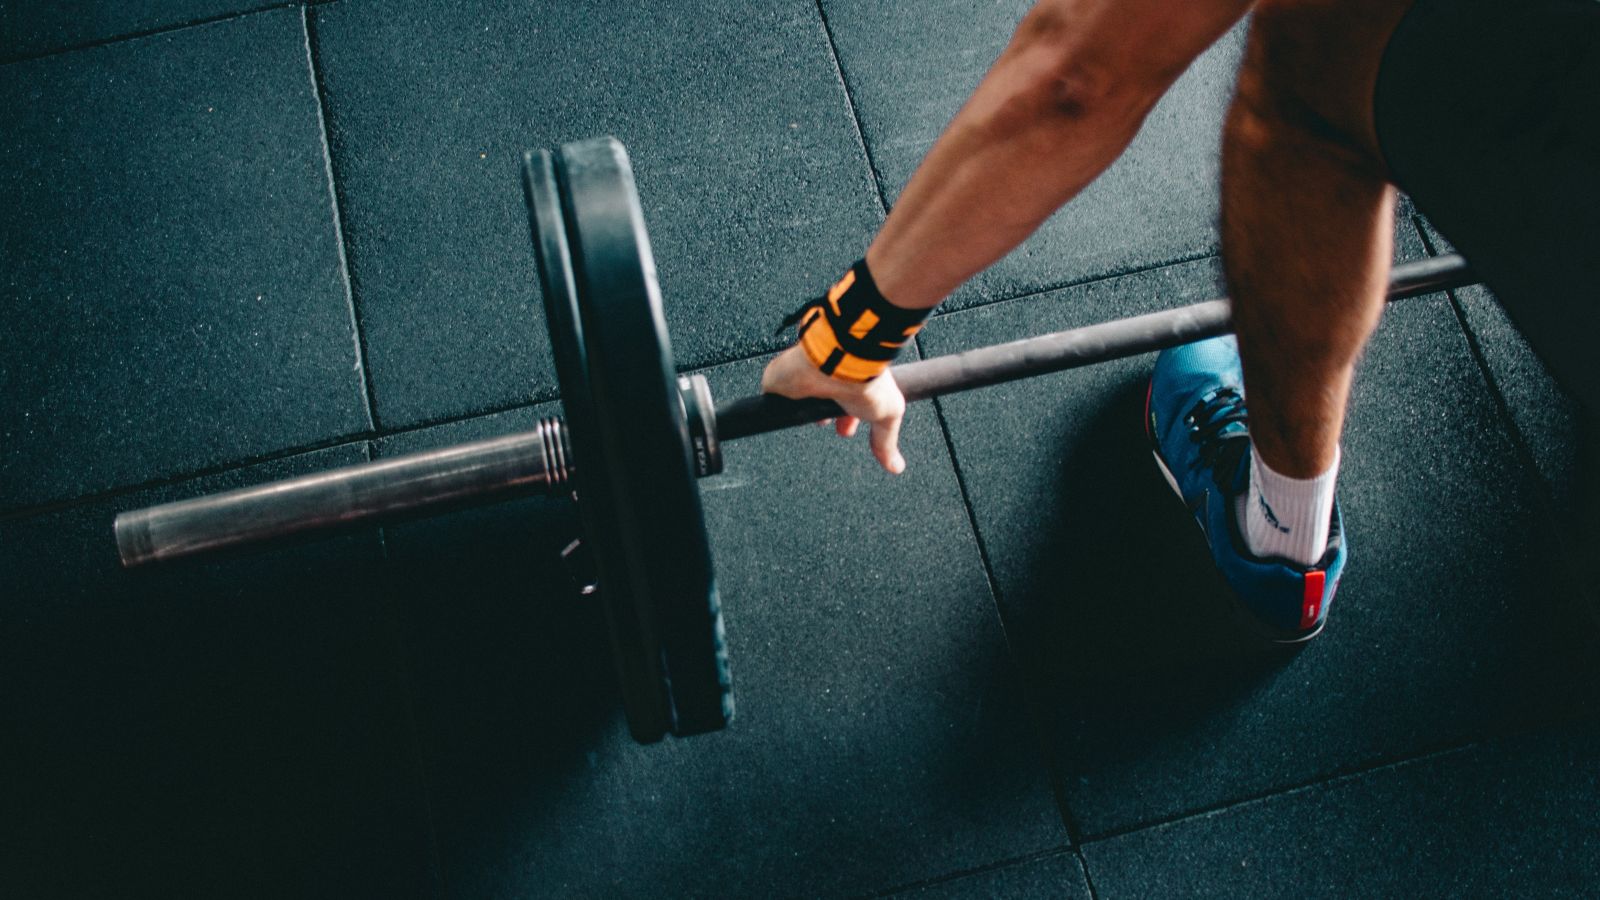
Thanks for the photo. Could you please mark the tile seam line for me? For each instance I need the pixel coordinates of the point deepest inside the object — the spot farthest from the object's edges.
(1083, 866)
(1069, 284)
(345, 440)
(1332, 779)
(850, 106)
(340, 233)
(947, 877)
(1036, 718)
(123, 490)
(545, 395)
(1546, 500)
(154, 32)
(777, 345)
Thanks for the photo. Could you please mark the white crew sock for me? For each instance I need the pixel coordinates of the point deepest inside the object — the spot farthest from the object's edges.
(1287, 518)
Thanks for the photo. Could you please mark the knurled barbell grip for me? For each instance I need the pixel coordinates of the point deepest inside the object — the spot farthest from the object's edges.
(1055, 352)
(531, 462)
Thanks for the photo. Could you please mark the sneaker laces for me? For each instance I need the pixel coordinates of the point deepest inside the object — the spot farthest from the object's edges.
(1217, 422)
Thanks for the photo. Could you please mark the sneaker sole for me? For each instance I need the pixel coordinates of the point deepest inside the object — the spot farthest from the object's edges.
(1241, 611)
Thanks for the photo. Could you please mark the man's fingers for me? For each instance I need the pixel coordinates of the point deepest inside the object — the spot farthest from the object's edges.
(770, 375)
(886, 444)
(877, 402)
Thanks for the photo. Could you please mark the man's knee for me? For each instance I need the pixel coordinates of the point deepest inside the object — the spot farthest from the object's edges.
(1308, 77)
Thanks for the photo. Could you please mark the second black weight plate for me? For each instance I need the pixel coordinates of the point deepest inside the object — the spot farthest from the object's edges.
(637, 447)
(644, 431)
(635, 651)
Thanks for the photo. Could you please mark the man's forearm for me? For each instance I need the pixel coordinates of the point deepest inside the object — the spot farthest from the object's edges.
(1061, 103)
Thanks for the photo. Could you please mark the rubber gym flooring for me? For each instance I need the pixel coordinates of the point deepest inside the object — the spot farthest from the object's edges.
(247, 239)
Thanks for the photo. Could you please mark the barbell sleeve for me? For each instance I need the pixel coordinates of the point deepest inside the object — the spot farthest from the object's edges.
(1055, 352)
(530, 462)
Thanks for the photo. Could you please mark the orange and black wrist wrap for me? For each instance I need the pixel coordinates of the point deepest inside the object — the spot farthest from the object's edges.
(852, 333)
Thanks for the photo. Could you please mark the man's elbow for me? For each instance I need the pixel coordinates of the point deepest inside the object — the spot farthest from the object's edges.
(1074, 95)
(1063, 79)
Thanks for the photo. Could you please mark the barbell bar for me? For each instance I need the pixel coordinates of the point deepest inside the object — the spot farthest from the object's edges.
(538, 461)
(634, 438)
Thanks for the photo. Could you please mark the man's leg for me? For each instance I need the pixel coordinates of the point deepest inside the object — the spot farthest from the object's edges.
(1307, 223)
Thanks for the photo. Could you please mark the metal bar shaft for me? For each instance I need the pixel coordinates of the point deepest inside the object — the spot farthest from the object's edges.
(1056, 352)
(540, 461)
(527, 463)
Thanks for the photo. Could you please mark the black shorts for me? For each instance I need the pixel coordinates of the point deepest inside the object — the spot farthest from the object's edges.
(1488, 113)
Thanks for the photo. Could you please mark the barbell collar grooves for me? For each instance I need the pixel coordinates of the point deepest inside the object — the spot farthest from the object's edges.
(1055, 352)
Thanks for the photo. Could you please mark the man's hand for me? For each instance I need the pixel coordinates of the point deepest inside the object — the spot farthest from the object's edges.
(878, 402)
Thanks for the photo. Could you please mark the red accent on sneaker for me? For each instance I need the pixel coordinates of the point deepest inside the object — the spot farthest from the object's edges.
(1311, 603)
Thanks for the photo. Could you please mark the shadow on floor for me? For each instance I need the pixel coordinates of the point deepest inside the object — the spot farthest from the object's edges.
(1124, 614)
(233, 726)
(510, 667)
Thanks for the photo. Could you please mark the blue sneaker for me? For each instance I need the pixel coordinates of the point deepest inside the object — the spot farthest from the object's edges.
(1195, 418)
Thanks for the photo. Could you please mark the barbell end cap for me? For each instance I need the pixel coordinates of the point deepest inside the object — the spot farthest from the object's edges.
(134, 546)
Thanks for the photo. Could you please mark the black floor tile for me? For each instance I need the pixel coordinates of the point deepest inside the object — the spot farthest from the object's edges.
(1553, 428)
(1446, 627)
(512, 680)
(908, 74)
(1057, 876)
(751, 175)
(1513, 818)
(28, 29)
(231, 728)
(173, 292)
(1545, 415)
(880, 739)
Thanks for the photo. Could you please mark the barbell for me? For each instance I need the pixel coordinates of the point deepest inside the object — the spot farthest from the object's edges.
(634, 438)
